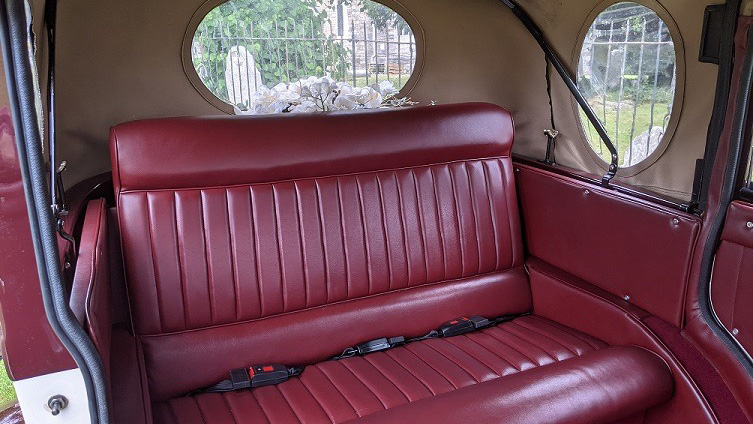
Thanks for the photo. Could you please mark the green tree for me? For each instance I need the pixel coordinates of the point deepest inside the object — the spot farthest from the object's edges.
(286, 38)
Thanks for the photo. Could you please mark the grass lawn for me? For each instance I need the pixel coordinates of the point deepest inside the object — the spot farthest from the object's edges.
(397, 80)
(7, 394)
(642, 123)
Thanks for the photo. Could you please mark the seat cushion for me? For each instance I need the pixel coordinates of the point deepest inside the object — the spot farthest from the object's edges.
(349, 389)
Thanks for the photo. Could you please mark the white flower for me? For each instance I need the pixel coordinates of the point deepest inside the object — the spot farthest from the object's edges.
(369, 98)
(321, 94)
(347, 101)
(306, 106)
(385, 88)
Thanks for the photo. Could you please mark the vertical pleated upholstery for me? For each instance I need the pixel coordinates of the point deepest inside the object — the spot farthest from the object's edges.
(215, 256)
(237, 230)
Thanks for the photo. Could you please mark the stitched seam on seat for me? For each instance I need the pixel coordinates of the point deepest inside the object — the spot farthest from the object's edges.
(181, 270)
(493, 210)
(169, 406)
(154, 263)
(403, 230)
(463, 368)
(261, 406)
(494, 353)
(548, 337)
(302, 242)
(233, 256)
(363, 382)
(420, 223)
(503, 329)
(318, 401)
(474, 213)
(439, 222)
(574, 350)
(383, 216)
(229, 408)
(323, 231)
(280, 254)
(489, 333)
(470, 355)
(459, 217)
(198, 407)
(257, 246)
(407, 349)
(365, 232)
(347, 400)
(288, 404)
(416, 376)
(567, 330)
(208, 267)
(286, 180)
(386, 377)
(343, 237)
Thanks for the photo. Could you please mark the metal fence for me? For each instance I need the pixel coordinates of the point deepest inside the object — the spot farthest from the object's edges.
(628, 61)
(234, 60)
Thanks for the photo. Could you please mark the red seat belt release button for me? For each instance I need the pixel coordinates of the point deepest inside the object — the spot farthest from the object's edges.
(258, 376)
(462, 325)
(267, 375)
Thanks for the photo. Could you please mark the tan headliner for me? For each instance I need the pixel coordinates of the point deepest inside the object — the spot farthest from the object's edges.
(119, 61)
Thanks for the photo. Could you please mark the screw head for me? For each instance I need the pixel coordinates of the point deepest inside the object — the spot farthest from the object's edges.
(586, 192)
(735, 331)
(675, 221)
(626, 298)
(749, 224)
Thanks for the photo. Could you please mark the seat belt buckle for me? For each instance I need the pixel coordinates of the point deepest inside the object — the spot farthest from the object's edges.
(258, 376)
(462, 325)
(378, 345)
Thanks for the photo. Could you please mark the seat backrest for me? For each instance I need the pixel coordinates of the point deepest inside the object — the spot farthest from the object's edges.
(287, 238)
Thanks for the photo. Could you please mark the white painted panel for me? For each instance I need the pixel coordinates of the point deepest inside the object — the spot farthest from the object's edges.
(33, 394)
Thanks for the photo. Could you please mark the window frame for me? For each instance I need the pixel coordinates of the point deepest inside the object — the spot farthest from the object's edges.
(677, 101)
(209, 5)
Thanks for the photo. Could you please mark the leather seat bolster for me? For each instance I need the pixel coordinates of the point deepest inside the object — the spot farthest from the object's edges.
(300, 338)
(174, 153)
(90, 289)
(604, 386)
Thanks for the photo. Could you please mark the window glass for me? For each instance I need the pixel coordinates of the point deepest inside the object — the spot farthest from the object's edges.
(246, 49)
(627, 71)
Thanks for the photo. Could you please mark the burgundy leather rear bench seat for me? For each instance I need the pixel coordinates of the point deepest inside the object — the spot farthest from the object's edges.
(253, 240)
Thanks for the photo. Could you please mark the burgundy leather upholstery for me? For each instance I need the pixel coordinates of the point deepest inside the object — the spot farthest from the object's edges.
(425, 374)
(251, 240)
(732, 282)
(580, 238)
(90, 290)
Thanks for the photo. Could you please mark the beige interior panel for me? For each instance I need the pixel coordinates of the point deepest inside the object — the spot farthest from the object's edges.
(119, 61)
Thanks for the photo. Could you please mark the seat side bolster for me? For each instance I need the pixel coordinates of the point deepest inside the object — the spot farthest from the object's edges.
(90, 290)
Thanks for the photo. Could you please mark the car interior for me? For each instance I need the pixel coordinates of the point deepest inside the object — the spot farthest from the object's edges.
(497, 245)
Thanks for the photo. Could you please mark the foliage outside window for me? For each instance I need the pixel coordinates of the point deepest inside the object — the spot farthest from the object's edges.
(627, 71)
(245, 51)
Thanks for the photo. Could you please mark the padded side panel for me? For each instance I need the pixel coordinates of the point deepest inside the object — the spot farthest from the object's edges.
(732, 282)
(316, 334)
(615, 242)
(207, 257)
